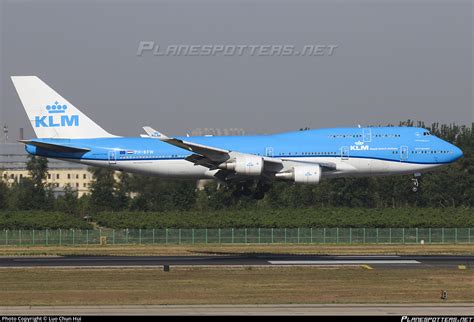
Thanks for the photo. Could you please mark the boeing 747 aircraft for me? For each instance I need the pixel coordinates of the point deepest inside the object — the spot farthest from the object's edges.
(306, 157)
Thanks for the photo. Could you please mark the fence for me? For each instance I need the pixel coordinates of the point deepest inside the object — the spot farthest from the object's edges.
(238, 236)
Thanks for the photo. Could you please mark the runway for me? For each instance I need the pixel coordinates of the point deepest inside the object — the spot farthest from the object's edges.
(463, 262)
(463, 309)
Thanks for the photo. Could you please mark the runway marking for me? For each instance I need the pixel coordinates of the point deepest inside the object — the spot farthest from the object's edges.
(342, 262)
(111, 259)
(367, 256)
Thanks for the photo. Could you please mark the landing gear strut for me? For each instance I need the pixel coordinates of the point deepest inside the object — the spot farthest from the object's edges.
(244, 189)
(261, 189)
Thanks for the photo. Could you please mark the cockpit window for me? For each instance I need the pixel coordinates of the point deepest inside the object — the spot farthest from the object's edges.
(426, 133)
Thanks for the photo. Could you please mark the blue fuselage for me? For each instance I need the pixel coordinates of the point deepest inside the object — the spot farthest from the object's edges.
(375, 150)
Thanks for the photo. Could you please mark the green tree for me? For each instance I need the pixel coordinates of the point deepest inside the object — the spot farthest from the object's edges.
(34, 187)
(68, 202)
(3, 195)
(156, 194)
(26, 196)
(38, 169)
(122, 191)
(102, 190)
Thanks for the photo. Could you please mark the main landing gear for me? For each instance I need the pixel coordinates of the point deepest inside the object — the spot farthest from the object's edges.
(249, 189)
(415, 182)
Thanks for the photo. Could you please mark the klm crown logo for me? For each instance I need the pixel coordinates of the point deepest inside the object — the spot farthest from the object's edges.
(53, 120)
(56, 108)
(359, 146)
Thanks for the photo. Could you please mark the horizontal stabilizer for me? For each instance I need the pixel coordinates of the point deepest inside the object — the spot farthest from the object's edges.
(55, 147)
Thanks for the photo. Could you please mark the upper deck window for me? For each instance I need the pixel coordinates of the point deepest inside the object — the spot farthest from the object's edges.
(391, 135)
(343, 136)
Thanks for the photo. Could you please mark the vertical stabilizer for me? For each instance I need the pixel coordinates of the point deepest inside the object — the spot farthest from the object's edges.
(51, 115)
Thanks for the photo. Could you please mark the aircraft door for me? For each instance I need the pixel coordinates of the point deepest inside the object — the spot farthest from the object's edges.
(345, 153)
(112, 157)
(269, 152)
(403, 153)
(367, 135)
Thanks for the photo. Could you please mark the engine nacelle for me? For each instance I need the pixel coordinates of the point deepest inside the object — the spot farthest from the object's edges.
(245, 165)
(308, 175)
(303, 174)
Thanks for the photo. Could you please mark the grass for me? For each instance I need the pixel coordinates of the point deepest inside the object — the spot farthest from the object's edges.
(303, 285)
(135, 250)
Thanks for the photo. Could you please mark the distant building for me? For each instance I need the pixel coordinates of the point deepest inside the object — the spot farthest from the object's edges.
(217, 132)
(13, 158)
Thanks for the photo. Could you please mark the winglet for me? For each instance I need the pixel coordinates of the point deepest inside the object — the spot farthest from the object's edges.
(154, 134)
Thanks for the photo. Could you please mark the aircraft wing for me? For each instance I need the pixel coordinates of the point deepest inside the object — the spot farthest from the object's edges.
(211, 157)
(212, 153)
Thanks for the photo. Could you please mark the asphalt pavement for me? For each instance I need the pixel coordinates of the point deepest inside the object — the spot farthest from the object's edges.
(240, 260)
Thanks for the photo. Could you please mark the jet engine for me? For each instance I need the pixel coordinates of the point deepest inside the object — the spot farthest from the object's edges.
(303, 174)
(246, 165)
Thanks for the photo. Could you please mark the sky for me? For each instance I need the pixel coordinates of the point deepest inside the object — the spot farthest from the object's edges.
(391, 61)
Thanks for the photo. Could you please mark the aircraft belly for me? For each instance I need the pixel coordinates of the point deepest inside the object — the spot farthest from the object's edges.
(161, 168)
(379, 166)
(359, 167)
(183, 169)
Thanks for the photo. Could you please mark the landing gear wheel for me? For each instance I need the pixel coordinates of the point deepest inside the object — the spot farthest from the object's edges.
(263, 187)
(237, 193)
(246, 191)
(241, 190)
(259, 195)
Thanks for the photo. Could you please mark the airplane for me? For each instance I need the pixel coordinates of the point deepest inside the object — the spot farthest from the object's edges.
(303, 157)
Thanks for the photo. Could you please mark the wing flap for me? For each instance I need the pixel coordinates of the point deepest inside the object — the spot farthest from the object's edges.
(326, 165)
(201, 160)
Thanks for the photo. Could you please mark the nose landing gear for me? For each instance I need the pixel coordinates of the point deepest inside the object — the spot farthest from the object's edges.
(415, 182)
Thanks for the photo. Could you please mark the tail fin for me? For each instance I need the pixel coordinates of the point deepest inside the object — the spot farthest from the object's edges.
(51, 115)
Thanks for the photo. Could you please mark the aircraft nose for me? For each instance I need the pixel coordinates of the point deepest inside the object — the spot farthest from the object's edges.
(457, 153)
